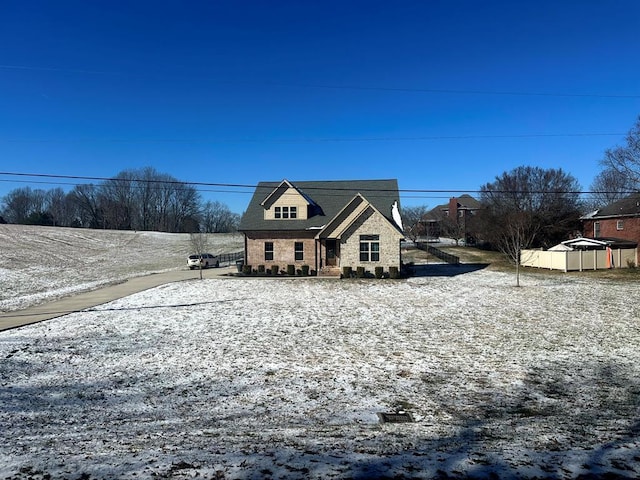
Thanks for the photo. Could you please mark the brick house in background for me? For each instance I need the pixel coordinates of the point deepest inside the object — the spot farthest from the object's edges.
(618, 220)
(454, 219)
(326, 225)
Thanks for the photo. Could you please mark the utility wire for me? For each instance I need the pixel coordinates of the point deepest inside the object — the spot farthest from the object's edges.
(310, 140)
(269, 186)
(334, 86)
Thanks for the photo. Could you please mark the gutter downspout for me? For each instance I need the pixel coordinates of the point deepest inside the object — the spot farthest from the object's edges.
(246, 260)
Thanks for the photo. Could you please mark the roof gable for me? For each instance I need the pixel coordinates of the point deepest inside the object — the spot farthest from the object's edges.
(345, 218)
(282, 190)
(356, 210)
(276, 193)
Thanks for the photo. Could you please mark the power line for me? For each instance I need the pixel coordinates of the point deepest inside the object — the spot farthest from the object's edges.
(311, 139)
(271, 185)
(458, 92)
(42, 182)
(209, 190)
(375, 88)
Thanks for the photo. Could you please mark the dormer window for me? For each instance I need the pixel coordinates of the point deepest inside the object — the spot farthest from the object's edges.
(286, 202)
(285, 212)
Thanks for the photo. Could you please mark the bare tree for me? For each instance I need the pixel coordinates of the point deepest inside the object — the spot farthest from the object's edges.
(118, 197)
(27, 206)
(609, 186)
(60, 208)
(199, 244)
(453, 227)
(529, 207)
(411, 218)
(87, 202)
(626, 159)
(18, 205)
(134, 199)
(184, 209)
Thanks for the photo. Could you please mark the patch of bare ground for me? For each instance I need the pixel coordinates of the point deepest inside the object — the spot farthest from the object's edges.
(476, 255)
(415, 255)
(497, 261)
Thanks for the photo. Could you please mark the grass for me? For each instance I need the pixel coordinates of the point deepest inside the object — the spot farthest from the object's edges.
(497, 261)
(466, 255)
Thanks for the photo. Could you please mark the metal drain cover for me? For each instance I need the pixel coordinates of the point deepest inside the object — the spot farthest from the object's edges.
(395, 417)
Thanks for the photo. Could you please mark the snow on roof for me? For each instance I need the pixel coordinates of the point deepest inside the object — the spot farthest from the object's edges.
(395, 214)
(584, 242)
(561, 248)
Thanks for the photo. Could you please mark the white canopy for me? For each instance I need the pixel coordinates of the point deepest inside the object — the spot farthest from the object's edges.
(584, 242)
(561, 248)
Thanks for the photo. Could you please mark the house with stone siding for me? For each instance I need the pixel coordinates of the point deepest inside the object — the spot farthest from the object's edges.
(618, 220)
(325, 225)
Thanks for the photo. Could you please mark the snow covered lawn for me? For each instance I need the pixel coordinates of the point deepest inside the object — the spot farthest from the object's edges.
(272, 378)
(40, 264)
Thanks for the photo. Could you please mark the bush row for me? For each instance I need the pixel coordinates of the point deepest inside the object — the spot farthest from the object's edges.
(291, 270)
(378, 272)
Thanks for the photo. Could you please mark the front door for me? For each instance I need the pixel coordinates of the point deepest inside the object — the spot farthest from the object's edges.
(331, 246)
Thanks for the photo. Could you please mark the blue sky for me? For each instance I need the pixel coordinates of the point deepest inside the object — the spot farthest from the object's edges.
(442, 95)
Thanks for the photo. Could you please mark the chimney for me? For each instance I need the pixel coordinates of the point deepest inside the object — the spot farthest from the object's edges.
(453, 207)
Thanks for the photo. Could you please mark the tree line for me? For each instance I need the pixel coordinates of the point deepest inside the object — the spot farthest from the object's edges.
(532, 207)
(142, 199)
(522, 208)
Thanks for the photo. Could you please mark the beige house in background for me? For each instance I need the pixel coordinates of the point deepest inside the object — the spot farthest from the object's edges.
(326, 225)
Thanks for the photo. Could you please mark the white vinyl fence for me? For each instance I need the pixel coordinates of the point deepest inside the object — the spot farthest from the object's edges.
(579, 259)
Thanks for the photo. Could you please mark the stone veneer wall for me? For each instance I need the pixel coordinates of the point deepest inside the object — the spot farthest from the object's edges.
(375, 224)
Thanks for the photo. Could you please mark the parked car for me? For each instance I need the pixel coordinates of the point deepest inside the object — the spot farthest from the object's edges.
(204, 260)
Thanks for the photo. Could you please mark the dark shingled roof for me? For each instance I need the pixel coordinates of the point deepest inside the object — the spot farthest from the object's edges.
(331, 196)
(629, 206)
(465, 202)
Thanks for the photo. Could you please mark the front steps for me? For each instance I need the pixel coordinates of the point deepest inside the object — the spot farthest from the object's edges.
(329, 271)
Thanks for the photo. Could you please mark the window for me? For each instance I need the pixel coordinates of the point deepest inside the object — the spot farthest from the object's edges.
(369, 248)
(268, 250)
(285, 212)
(299, 251)
(596, 229)
(620, 225)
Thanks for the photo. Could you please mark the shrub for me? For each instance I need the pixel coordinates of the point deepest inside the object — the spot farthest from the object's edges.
(305, 270)
(346, 272)
(379, 272)
(291, 269)
(394, 272)
(631, 264)
(246, 269)
(261, 269)
(360, 273)
(275, 269)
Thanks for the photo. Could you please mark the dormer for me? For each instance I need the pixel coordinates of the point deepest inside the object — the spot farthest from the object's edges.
(286, 202)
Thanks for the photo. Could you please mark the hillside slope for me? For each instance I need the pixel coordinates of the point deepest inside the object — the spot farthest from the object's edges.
(38, 264)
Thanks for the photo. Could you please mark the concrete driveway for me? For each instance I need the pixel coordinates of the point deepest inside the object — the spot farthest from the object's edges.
(82, 301)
